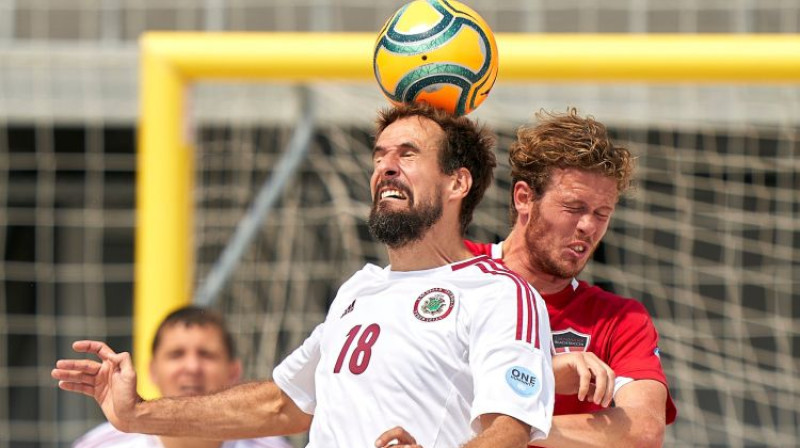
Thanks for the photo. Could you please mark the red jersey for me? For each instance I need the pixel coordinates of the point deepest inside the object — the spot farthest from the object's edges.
(616, 329)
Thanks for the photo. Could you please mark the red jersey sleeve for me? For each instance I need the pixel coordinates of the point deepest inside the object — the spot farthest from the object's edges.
(634, 350)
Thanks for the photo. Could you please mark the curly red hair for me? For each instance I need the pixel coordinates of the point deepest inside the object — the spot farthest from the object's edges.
(566, 141)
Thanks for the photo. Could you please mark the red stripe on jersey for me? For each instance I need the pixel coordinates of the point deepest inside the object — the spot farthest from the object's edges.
(486, 270)
(491, 267)
(533, 312)
(468, 263)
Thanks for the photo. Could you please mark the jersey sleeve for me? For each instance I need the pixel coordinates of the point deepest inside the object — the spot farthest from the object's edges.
(635, 353)
(295, 375)
(510, 356)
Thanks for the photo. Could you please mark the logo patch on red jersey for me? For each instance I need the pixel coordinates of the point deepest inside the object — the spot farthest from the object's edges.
(434, 304)
(569, 340)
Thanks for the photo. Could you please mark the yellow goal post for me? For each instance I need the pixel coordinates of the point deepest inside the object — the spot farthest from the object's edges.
(171, 62)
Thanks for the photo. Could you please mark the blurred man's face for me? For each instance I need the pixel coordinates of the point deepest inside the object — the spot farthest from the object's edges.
(192, 360)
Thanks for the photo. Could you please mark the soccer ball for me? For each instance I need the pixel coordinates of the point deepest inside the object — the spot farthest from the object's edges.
(436, 51)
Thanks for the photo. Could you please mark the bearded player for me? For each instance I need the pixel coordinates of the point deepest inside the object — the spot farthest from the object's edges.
(454, 347)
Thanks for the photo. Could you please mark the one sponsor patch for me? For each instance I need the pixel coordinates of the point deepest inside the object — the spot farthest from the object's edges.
(523, 382)
(569, 340)
(657, 352)
(434, 304)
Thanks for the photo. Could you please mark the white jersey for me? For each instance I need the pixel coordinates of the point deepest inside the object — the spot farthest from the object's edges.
(427, 350)
(106, 436)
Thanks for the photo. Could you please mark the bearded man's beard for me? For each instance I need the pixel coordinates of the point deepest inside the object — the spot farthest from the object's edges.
(396, 228)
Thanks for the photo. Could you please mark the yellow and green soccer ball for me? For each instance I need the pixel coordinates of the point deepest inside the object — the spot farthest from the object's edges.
(436, 51)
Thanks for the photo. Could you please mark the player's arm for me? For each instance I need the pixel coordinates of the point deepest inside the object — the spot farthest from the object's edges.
(247, 410)
(642, 407)
(497, 431)
(244, 411)
(501, 431)
(637, 420)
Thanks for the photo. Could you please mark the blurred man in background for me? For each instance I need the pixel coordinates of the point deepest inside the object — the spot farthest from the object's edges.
(193, 353)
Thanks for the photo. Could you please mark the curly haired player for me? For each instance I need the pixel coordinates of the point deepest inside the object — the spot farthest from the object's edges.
(567, 176)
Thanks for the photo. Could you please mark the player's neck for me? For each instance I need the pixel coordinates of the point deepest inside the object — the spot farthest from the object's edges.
(516, 257)
(184, 442)
(437, 248)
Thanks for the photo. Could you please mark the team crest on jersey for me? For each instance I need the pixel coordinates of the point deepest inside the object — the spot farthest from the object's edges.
(434, 304)
(569, 340)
